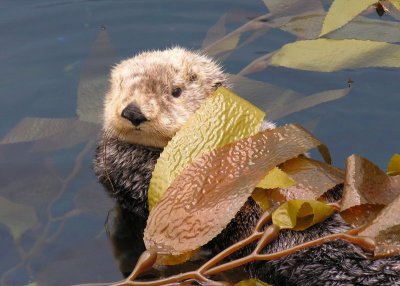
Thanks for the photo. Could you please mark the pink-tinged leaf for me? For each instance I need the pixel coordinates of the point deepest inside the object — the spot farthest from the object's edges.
(209, 192)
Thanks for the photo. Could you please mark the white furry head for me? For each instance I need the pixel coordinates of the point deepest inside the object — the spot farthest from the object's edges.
(167, 86)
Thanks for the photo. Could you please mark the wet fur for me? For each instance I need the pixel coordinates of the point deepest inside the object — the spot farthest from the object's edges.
(125, 168)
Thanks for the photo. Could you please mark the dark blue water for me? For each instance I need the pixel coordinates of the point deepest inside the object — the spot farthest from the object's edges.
(44, 45)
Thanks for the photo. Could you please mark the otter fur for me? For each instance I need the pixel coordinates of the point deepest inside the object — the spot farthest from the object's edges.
(150, 98)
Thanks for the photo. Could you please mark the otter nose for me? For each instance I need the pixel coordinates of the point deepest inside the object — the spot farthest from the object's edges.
(133, 113)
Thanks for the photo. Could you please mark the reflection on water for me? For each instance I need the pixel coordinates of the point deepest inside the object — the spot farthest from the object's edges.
(52, 210)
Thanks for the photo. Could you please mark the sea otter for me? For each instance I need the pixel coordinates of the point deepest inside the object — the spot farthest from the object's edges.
(150, 98)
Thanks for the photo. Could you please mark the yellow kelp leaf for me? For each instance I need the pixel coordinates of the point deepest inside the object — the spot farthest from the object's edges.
(276, 178)
(301, 214)
(394, 165)
(328, 55)
(343, 11)
(251, 282)
(208, 194)
(223, 118)
(261, 196)
(395, 3)
(174, 259)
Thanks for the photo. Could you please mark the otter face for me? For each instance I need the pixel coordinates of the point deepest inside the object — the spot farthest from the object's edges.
(154, 93)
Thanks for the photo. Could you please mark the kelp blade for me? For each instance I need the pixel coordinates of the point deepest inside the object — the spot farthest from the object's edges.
(209, 192)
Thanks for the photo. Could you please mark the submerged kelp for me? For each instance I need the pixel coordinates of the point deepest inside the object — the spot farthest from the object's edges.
(47, 134)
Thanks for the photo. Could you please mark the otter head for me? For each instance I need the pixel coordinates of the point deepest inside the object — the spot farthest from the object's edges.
(154, 93)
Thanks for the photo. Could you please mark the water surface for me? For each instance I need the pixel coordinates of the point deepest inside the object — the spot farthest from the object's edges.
(44, 45)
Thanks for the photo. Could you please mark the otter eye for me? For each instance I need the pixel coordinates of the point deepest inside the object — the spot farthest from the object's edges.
(176, 92)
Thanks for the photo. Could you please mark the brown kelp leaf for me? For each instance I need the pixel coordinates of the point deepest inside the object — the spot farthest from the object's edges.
(362, 214)
(393, 168)
(31, 128)
(300, 214)
(366, 184)
(313, 178)
(223, 118)
(385, 229)
(209, 192)
(93, 82)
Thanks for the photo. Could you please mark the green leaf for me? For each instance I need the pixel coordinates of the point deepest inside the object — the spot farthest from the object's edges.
(17, 217)
(394, 165)
(301, 214)
(328, 55)
(343, 11)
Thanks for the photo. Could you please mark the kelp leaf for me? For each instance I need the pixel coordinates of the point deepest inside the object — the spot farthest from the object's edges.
(277, 101)
(307, 102)
(305, 26)
(251, 282)
(300, 214)
(209, 192)
(343, 11)
(262, 198)
(327, 55)
(395, 3)
(31, 128)
(276, 178)
(175, 259)
(365, 183)
(385, 229)
(223, 118)
(214, 43)
(363, 28)
(394, 165)
(292, 7)
(313, 178)
(17, 217)
(93, 82)
(360, 215)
